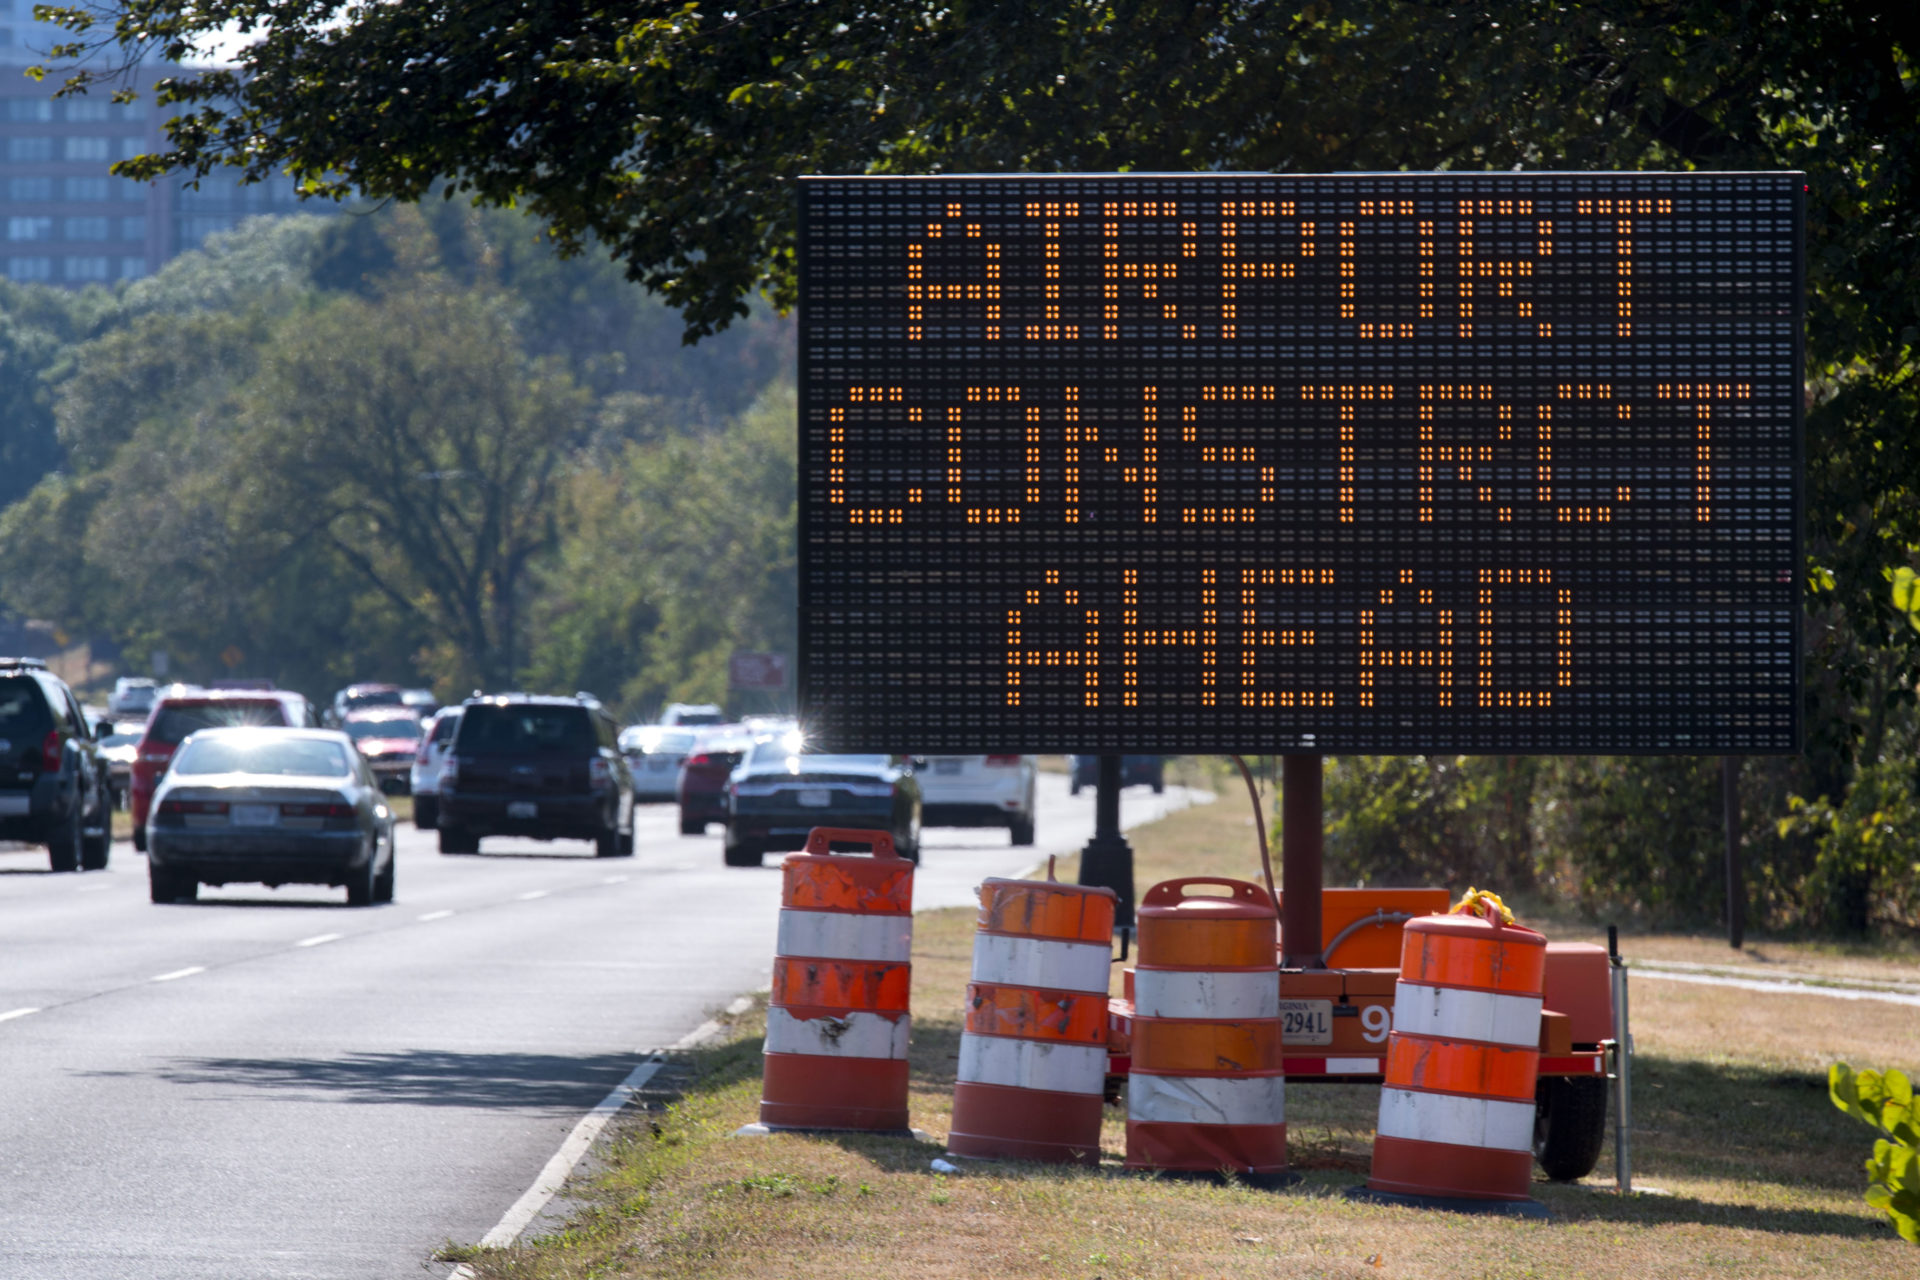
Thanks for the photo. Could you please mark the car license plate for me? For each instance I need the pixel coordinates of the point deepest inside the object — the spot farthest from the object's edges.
(815, 799)
(523, 809)
(1306, 1021)
(948, 766)
(15, 805)
(659, 766)
(256, 815)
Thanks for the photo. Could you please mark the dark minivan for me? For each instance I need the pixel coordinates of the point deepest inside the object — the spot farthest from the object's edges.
(54, 788)
(544, 767)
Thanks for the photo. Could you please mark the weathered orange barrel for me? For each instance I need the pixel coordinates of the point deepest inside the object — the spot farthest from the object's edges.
(837, 1018)
(1033, 1054)
(1457, 1108)
(1207, 1091)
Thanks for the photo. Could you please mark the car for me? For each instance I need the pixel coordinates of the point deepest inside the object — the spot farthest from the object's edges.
(118, 747)
(539, 766)
(1149, 771)
(272, 806)
(132, 697)
(780, 792)
(419, 701)
(356, 696)
(980, 791)
(423, 778)
(655, 753)
(701, 787)
(389, 737)
(54, 788)
(180, 711)
(700, 713)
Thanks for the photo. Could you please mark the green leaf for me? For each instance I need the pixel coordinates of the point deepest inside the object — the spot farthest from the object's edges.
(1906, 595)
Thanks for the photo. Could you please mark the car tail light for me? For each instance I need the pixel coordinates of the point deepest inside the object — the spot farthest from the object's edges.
(420, 756)
(316, 811)
(599, 774)
(449, 773)
(698, 759)
(1002, 762)
(52, 747)
(184, 807)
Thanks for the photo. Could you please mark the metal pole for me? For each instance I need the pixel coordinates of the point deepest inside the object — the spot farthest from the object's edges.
(1301, 871)
(1107, 860)
(1622, 1068)
(1736, 865)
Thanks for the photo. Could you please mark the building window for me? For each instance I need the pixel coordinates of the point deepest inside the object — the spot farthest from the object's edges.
(29, 188)
(132, 191)
(195, 229)
(86, 269)
(86, 111)
(29, 110)
(132, 146)
(134, 228)
(84, 150)
(131, 110)
(84, 229)
(29, 228)
(6, 34)
(85, 188)
(132, 268)
(30, 268)
(29, 150)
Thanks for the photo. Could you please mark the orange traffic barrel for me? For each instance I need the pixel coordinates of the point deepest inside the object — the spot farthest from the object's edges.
(1033, 1054)
(1457, 1107)
(1207, 1093)
(837, 1018)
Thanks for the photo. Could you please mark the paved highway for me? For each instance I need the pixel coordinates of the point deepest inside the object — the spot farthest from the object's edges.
(270, 1084)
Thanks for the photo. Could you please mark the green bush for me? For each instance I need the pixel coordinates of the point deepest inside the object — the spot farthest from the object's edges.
(1866, 864)
(1885, 1101)
(1419, 820)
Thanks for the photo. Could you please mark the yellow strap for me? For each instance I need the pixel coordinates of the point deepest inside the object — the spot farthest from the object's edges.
(1482, 902)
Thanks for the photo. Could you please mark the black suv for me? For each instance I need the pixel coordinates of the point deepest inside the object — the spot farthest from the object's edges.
(549, 768)
(54, 788)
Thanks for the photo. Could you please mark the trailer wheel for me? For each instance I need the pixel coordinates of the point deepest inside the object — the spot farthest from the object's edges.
(1569, 1125)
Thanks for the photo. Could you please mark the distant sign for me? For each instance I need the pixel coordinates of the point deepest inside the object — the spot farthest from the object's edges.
(757, 671)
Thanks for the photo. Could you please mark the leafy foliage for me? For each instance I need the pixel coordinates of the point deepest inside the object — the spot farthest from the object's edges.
(1885, 1101)
(1443, 820)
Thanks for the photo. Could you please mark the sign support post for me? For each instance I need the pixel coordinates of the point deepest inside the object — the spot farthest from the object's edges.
(1107, 860)
(1301, 870)
(1736, 867)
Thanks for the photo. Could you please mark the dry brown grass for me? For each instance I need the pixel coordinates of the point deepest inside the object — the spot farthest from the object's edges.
(1732, 1120)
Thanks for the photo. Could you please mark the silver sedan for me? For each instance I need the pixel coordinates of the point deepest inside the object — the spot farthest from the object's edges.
(272, 806)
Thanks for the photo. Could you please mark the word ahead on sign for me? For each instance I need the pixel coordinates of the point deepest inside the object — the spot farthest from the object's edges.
(1213, 463)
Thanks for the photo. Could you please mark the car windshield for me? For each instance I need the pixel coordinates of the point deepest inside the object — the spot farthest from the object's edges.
(286, 757)
(23, 710)
(119, 740)
(521, 730)
(398, 727)
(775, 752)
(669, 743)
(374, 698)
(175, 723)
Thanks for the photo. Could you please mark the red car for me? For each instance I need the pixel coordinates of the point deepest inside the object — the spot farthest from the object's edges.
(175, 715)
(702, 790)
(388, 737)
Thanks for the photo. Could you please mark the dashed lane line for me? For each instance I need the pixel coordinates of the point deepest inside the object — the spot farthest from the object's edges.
(177, 974)
(318, 939)
(11, 1014)
(433, 915)
(533, 894)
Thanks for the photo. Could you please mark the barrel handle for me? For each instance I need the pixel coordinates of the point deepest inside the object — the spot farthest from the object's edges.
(820, 840)
(1168, 892)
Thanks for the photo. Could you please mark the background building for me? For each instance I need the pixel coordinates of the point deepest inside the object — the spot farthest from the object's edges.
(64, 219)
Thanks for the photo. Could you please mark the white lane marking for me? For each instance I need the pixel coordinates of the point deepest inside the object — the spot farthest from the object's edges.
(614, 880)
(1780, 988)
(11, 1014)
(433, 915)
(317, 939)
(187, 972)
(532, 894)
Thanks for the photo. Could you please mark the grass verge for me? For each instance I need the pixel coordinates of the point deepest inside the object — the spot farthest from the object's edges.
(1762, 1173)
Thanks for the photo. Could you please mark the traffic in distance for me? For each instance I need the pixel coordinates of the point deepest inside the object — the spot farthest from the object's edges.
(246, 783)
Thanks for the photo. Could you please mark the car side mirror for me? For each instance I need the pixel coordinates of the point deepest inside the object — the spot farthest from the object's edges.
(102, 728)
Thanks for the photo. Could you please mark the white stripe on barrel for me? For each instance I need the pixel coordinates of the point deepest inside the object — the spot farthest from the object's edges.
(1455, 1013)
(851, 1035)
(1008, 961)
(1186, 993)
(1206, 1099)
(1032, 1064)
(1451, 1118)
(845, 935)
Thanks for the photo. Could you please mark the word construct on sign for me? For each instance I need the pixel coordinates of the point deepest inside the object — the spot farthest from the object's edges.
(1238, 463)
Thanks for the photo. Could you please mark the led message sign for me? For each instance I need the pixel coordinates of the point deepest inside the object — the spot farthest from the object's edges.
(1483, 463)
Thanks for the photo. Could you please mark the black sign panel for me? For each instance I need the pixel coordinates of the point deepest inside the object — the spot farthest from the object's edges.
(1481, 463)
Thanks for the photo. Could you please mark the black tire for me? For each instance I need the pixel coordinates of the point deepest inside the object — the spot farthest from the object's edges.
(626, 843)
(1159, 785)
(1569, 1125)
(454, 840)
(140, 838)
(607, 844)
(166, 886)
(1021, 829)
(383, 883)
(363, 889)
(692, 827)
(63, 845)
(1073, 788)
(742, 854)
(426, 812)
(97, 848)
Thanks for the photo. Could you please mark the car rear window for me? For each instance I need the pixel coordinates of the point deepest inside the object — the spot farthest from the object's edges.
(445, 727)
(524, 730)
(23, 710)
(377, 698)
(287, 757)
(176, 722)
(398, 727)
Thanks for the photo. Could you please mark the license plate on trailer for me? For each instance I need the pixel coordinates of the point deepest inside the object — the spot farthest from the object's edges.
(815, 799)
(523, 809)
(256, 815)
(14, 805)
(1306, 1021)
